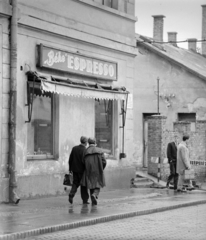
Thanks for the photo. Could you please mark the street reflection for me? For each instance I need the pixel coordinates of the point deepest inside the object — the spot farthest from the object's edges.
(84, 209)
(71, 210)
(94, 209)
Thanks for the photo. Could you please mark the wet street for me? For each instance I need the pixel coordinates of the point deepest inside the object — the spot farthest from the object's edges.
(184, 223)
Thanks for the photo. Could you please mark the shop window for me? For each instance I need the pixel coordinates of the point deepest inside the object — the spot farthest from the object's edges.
(40, 137)
(104, 125)
(187, 117)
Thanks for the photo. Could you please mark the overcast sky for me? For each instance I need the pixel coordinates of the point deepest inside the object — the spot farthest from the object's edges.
(181, 16)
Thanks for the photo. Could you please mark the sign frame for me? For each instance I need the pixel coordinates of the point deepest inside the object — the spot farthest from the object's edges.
(76, 63)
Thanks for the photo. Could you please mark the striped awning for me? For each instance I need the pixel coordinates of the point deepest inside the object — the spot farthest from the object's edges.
(70, 87)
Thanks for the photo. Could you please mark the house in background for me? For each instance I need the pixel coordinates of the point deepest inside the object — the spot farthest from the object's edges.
(168, 80)
(81, 54)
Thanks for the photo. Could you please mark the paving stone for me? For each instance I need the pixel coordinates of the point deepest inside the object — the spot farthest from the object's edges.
(179, 224)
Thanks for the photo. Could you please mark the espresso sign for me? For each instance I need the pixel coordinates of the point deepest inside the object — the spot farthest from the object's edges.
(76, 63)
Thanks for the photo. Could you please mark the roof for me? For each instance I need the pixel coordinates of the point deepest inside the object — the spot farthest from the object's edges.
(192, 61)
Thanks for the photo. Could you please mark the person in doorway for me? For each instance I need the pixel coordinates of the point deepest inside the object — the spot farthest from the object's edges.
(77, 167)
(172, 159)
(183, 163)
(95, 163)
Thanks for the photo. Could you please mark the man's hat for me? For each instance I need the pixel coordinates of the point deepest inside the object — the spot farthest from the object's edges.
(83, 139)
(92, 141)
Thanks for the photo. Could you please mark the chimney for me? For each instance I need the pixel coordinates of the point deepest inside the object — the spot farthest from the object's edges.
(204, 29)
(172, 37)
(158, 27)
(192, 44)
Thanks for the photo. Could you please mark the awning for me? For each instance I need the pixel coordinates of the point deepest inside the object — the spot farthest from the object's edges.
(75, 88)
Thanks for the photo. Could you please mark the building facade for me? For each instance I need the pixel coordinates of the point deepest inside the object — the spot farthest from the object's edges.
(171, 82)
(74, 77)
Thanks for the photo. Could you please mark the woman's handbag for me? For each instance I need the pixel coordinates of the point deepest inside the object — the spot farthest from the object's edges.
(189, 174)
(68, 179)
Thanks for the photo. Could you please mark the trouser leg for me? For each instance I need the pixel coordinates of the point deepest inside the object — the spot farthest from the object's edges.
(94, 193)
(190, 184)
(172, 172)
(75, 184)
(175, 181)
(180, 181)
(84, 193)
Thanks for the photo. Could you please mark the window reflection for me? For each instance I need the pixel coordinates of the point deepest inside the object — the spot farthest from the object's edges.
(103, 124)
(39, 130)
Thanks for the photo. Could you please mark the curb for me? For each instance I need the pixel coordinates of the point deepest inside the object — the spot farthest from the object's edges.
(60, 227)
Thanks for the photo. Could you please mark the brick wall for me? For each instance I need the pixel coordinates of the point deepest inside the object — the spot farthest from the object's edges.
(159, 137)
(158, 27)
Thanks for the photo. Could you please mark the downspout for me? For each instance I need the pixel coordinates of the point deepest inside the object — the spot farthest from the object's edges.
(13, 198)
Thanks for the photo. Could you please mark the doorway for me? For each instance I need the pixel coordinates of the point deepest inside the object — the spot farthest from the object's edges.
(145, 138)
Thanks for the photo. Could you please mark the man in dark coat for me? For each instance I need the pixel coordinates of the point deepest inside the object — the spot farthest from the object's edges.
(95, 163)
(172, 159)
(77, 167)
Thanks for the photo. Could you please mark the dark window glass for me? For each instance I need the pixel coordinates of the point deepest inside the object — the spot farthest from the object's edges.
(187, 117)
(40, 129)
(104, 124)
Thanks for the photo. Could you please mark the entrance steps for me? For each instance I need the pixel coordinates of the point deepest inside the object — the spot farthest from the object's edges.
(144, 180)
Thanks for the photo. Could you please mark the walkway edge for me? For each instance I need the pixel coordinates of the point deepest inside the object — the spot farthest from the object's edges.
(60, 227)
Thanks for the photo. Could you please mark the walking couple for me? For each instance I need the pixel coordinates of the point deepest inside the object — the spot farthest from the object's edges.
(178, 157)
(87, 166)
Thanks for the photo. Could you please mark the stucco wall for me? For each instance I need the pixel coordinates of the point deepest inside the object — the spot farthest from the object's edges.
(189, 91)
(82, 16)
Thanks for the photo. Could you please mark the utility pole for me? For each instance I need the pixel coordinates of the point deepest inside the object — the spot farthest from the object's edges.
(158, 88)
(13, 198)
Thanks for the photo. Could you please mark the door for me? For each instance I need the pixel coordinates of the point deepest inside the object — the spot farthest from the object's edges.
(145, 143)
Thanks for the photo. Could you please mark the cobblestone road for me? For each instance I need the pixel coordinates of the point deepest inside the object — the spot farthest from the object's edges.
(184, 223)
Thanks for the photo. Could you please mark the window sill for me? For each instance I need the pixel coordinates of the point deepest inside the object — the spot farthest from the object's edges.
(41, 157)
(108, 9)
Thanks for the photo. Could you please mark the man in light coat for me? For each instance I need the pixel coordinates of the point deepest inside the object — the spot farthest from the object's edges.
(183, 162)
(93, 177)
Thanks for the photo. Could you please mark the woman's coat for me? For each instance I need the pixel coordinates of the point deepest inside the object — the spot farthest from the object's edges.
(95, 163)
(183, 162)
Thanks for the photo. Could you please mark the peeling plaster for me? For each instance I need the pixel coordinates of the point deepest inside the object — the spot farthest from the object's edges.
(198, 106)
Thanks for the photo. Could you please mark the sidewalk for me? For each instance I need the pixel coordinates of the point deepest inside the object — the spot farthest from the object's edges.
(39, 216)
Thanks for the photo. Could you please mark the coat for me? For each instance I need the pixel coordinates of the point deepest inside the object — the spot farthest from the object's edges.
(172, 152)
(183, 162)
(76, 159)
(95, 163)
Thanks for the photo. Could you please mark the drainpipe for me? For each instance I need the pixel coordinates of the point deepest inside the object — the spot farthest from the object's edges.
(13, 198)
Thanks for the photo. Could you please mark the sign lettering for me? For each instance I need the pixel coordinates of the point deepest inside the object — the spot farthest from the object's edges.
(76, 63)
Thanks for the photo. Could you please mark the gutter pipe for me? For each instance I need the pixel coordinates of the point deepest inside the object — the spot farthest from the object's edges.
(13, 198)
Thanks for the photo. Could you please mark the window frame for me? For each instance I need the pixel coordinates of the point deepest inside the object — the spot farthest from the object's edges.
(114, 131)
(54, 123)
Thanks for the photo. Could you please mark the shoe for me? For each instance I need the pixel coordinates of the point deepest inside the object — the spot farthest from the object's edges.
(17, 201)
(168, 185)
(70, 199)
(86, 202)
(181, 190)
(190, 188)
(94, 200)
